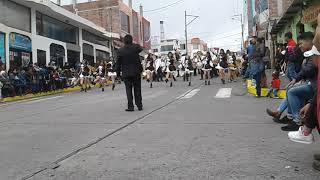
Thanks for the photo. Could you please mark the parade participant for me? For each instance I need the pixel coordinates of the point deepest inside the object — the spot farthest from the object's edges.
(129, 64)
(170, 69)
(158, 68)
(199, 65)
(207, 68)
(84, 76)
(223, 68)
(189, 68)
(111, 71)
(101, 76)
(150, 69)
(232, 68)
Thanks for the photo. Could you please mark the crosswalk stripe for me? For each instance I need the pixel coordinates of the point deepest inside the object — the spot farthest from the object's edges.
(191, 94)
(224, 93)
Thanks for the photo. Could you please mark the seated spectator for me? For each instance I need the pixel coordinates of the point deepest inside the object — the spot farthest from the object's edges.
(7, 89)
(297, 94)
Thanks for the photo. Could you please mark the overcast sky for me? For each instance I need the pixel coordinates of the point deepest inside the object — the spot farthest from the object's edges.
(215, 24)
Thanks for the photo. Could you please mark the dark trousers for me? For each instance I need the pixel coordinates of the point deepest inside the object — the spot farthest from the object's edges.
(311, 120)
(135, 84)
(257, 77)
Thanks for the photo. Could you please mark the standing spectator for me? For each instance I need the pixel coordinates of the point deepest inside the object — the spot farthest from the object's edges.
(290, 56)
(257, 66)
(130, 65)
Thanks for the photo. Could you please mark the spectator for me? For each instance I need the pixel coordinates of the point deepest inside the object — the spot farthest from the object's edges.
(275, 85)
(290, 56)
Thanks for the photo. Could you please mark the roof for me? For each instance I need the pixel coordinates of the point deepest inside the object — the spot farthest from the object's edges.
(48, 8)
(294, 8)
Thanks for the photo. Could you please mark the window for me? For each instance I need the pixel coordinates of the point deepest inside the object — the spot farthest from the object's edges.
(102, 55)
(41, 57)
(54, 29)
(125, 22)
(88, 53)
(15, 15)
(57, 54)
(135, 26)
(167, 48)
(196, 46)
(182, 46)
(87, 36)
(155, 50)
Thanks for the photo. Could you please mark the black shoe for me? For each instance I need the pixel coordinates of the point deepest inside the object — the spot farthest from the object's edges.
(148, 80)
(151, 85)
(129, 110)
(166, 80)
(81, 90)
(85, 90)
(205, 82)
(140, 108)
(291, 127)
(284, 120)
(171, 84)
(102, 89)
(113, 86)
(208, 82)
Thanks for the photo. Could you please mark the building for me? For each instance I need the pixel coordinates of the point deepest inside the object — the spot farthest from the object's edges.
(170, 45)
(39, 31)
(117, 17)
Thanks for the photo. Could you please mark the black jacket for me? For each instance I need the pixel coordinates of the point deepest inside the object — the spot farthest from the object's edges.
(129, 61)
(308, 72)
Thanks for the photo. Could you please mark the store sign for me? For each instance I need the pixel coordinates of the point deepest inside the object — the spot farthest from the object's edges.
(310, 14)
(2, 48)
(21, 42)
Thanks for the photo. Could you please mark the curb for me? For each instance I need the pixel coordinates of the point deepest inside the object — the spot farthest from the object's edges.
(264, 91)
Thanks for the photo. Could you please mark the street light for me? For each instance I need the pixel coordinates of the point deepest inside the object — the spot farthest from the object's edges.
(241, 21)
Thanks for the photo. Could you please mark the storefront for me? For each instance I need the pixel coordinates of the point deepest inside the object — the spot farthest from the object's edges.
(57, 54)
(2, 49)
(88, 54)
(102, 56)
(20, 52)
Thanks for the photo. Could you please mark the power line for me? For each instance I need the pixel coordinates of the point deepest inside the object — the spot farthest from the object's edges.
(164, 7)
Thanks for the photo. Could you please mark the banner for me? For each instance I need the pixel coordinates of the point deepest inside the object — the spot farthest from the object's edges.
(2, 48)
(18, 41)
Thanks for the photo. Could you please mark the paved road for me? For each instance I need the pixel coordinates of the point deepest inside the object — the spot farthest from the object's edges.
(198, 132)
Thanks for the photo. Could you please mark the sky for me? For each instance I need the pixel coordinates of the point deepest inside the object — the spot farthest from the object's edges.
(214, 25)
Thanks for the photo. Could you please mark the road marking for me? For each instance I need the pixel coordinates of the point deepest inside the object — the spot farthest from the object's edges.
(154, 95)
(191, 94)
(42, 99)
(182, 95)
(224, 93)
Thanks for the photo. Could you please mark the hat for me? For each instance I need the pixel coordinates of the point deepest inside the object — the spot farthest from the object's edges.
(315, 51)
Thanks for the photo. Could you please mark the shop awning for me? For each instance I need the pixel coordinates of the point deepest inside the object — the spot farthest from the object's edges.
(287, 16)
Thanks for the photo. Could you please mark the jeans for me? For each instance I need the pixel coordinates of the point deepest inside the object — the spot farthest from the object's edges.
(297, 96)
(257, 77)
(291, 74)
(274, 91)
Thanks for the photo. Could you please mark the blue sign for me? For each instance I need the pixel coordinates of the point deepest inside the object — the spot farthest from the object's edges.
(2, 48)
(21, 42)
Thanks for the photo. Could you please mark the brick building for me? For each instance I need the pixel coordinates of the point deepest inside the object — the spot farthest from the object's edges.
(117, 17)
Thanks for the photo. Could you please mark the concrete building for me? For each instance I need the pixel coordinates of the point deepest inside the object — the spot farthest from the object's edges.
(117, 17)
(170, 45)
(41, 31)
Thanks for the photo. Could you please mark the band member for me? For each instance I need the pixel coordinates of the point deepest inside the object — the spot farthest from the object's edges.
(111, 70)
(158, 68)
(84, 77)
(207, 68)
(100, 76)
(188, 69)
(150, 69)
(223, 67)
(171, 68)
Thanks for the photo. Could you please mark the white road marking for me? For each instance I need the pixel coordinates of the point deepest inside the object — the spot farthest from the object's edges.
(42, 99)
(191, 94)
(182, 95)
(224, 93)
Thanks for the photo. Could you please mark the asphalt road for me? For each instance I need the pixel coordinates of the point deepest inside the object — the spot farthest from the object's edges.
(198, 132)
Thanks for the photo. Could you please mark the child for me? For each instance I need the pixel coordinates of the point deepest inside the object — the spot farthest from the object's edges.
(275, 83)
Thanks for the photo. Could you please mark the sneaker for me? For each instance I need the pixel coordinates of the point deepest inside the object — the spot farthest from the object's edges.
(274, 114)
(293, 126)
(316, 165)
(316, 157)
(284, 120)
(298, 136)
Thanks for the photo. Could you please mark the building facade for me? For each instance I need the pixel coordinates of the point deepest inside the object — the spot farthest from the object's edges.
(39, 31)
(117, 17)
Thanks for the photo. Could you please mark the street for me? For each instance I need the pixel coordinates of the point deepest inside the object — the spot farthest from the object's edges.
(198, 132)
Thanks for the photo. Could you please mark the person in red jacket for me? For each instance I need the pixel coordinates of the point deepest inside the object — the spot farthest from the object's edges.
(275, 85)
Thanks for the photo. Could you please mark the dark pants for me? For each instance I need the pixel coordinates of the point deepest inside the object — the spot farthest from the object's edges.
(135, 84)
(257, 77)
(311, 120)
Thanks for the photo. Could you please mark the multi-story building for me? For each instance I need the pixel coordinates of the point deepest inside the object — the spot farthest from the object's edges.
(171, 45)
(41, 31)
(117, 17)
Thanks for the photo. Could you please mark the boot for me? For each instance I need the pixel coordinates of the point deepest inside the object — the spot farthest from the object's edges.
(166, 80)
(150, 85)
(274, 114)
(171, 84)
(103, 89)
(205, 82)
(208, 82)
(113, 86)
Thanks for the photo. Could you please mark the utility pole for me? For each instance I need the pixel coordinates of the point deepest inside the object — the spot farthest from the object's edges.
(186, 27)
(242, 29)
(110, 21)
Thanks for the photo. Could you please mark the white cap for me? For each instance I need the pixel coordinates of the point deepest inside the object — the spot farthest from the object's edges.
(315, 51)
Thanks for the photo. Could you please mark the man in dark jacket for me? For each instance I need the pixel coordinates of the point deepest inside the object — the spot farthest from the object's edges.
(130, 65)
